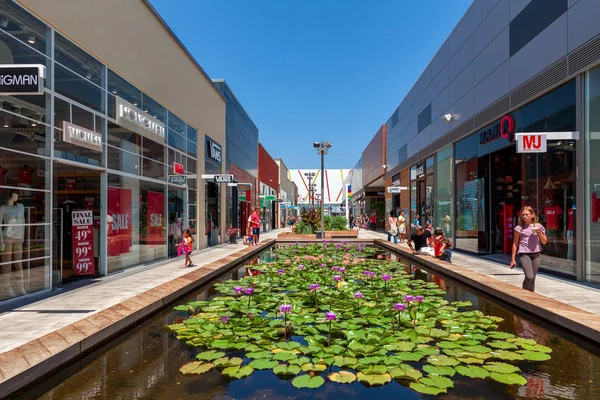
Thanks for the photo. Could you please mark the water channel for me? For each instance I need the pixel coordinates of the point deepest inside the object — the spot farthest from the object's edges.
(144, 363)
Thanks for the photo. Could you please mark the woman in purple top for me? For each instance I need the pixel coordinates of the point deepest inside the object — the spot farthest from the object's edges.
(529, 236)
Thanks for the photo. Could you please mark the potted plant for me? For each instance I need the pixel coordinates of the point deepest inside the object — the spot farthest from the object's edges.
(232, 233)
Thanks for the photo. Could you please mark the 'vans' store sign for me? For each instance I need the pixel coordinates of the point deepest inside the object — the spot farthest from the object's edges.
(213, 151)
(22, 79)
(132, 118)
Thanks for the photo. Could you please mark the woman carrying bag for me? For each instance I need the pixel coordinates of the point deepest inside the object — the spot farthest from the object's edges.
(392, 226)
(529, 236)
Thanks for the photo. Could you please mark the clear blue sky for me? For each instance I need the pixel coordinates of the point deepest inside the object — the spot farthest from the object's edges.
(312, 70)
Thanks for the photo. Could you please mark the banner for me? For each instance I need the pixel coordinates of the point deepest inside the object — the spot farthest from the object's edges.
(119, 221)
(155, 230)
(507, 215)
(83, 242)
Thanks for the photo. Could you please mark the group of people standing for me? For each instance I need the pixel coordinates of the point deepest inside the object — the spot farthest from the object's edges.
(363, 221)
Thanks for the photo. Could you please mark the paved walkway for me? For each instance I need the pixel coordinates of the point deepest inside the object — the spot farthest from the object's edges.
(577, 294)
(22, 324)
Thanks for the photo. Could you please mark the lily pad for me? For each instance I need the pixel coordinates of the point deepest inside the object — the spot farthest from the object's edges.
(196, 368)
(419, 387)
(307, 381)
(287, 370)
(535, 356)
(502, 345)
(509, 379)
(405, 372)
(238, 372)
(310, 367)
(260, 354)
(439, 370)
(341, 362)
(507, 355)
(263, 363)
(437, 381)
(537, 348)
(342, 377)
(225, 362)
(400, 346)
(374, 370)
(404, 356)
(501, 368)
(472, 371)
(284, 356)
(210, 355)
(373, 380)
(443, 361)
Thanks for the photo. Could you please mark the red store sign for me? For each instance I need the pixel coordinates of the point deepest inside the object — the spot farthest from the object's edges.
(178, 168)
(155, 232)
(504, 129)
(83, 242)
(119, 221)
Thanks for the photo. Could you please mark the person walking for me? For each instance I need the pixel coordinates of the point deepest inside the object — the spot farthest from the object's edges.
(392, 228)
(255, 223)
(529, 236)
(185, 247)
(358, 221)
(373, 221)
(401, 226)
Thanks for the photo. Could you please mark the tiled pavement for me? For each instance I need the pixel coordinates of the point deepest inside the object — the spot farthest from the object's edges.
(576, 294)
(29, 322)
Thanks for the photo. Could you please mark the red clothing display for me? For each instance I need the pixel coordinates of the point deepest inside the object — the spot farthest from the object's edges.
(26, 176)
(570, 223)
(552, 214)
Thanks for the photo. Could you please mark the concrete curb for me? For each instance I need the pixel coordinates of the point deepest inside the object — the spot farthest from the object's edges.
(22, 366)
(566, 316)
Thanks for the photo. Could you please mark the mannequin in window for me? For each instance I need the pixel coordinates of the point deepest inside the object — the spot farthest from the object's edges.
(12, 218)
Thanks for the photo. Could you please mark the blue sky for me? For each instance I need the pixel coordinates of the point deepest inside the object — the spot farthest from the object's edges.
(312, 70)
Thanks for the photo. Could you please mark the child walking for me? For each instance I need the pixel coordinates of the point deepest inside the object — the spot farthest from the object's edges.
(185, 247)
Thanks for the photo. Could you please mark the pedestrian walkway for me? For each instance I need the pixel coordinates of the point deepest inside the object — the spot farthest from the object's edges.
(22, 324)
(577, 294)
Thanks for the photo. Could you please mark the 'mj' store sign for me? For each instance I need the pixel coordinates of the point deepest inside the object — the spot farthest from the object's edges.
(504, 129)
(21, 79)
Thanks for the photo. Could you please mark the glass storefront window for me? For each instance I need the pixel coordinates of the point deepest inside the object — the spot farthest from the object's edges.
(71, 56)
(154, 108)
(22, 134)
(24, 26)
(77, 88)
(137, 229)
(443, 191)
(470, 194)
(118, 86)
(124, 161)
(176, 124)
(592, 190)
(176, 140)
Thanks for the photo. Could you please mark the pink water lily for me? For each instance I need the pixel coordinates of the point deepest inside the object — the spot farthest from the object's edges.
(358, 295)
(330, 316)
(337, 278)
(409, 298)
(300, 267)
(419, 298)
(399, 306)
(285, 308)
(386, 277)
(238, 289)
(280, 271)
(224, 319)
(314, 287)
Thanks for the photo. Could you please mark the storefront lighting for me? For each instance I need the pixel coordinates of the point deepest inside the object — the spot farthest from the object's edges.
(34, 123)
(31, 37)
(6, 123)
(447, 118)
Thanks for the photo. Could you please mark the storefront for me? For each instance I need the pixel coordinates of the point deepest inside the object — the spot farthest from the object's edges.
(493, 181)
(421, 193)
(212, 165)
(96, 176)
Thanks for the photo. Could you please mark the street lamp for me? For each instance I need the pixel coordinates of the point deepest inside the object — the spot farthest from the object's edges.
(310, 176)
(322, 148)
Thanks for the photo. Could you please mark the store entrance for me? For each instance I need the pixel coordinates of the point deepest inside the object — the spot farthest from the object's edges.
(423, 202)
(176, 218)
(505, 201)
(76, 223)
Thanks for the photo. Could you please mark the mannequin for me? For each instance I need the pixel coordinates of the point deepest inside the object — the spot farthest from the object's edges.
(11, 244)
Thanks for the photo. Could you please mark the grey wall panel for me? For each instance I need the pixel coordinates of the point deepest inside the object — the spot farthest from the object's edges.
(516, 6)
(440, 59)
(420, 141)
(462, 58)
(461, 85)
(440, 82)
(422, 83)
(470, 21)
(584, 22)
(440, 104)
(572, 2)
(543, 50)
(492, 25)
(438, 128)
(492, 88)
(492, 56)
(461, 110)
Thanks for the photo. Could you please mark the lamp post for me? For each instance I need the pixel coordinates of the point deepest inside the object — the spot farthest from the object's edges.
(322, 148)
(310, 176)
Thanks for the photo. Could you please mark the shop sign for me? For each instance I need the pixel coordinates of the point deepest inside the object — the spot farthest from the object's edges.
(532, 143)
(420, 169)
(213, 150)
(131, 117)
(82, 137)
(223, 178)
(178, 179)
(20, 79)
(178, 169)
(244, 186)
(83, 242)
(155, 225)
(396, 189)
(119, 229)
(505, 129)
(396, 183)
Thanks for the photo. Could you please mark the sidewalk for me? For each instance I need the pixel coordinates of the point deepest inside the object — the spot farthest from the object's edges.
(577, 294)
(28, 322)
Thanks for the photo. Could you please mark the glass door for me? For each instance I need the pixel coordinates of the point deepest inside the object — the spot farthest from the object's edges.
(176, 219)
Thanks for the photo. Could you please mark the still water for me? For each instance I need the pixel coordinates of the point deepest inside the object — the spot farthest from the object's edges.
(144, 363)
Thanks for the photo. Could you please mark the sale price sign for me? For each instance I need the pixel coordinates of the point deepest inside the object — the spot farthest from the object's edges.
(83, 242)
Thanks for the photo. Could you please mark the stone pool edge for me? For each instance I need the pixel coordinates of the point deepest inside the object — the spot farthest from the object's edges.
(40, 357)
(571, 318)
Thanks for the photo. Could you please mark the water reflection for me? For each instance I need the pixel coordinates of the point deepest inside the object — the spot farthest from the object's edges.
(145, 363)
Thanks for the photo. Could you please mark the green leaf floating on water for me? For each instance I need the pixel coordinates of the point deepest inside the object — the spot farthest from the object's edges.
(299, 361)
(342, 377)
(537, 348)
(263, 363)
(521, 341)
(404, 356)
(373, 380)
(288, 345)
(400, 346)
(502, 345)
(195, 368)
(287, 370)
(507, 355)
(501, 368)
(439, 370)
(444, 361)
(405, 372)
(307, 381)
(500, 335)
(374, 370)
(310, 367)
(284, 356)
(437, 381)
(472, 371)
(261, 354)
(534, 356)
(210, 355)
(509, 379)
(419, 387)
(224, 362)
(341, 362)
(238, 372)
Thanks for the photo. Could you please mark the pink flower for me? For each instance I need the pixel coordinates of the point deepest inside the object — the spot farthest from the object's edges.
(379, 256)
(386, 277)
(288, 261)
(399, 306)
(337, 277)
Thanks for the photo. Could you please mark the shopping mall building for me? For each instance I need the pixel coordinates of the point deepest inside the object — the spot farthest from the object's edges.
(508, 67)
(115, 130)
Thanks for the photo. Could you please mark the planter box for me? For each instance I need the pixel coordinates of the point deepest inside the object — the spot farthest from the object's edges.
(347, 234)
